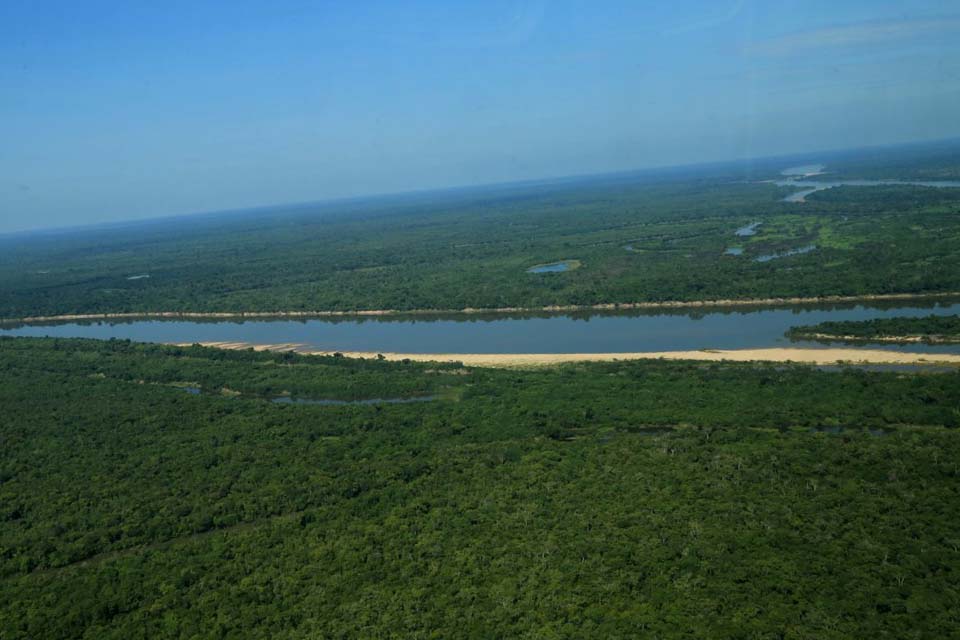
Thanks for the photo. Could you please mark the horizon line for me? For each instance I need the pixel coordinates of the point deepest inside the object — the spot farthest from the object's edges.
(528, 182)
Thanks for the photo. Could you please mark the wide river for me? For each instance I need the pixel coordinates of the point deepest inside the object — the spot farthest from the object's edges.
(668, 330)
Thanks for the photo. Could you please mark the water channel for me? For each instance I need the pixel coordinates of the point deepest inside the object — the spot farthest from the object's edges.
(613, 332)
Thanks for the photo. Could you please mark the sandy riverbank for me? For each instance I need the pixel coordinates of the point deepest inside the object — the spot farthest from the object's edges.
(612, 306)
(830, 337)
(824, 356)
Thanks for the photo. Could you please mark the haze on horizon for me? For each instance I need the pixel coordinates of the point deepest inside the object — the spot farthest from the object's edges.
(118, 111)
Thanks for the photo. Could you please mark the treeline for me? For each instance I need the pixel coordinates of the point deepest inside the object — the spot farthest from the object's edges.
(930, 329)
(261, 374)
(867, 199)
(922, 161)
(590, 500)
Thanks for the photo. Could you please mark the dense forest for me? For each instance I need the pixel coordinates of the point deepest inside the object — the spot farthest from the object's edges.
(656, 236)
(931, 329)
(149, 491)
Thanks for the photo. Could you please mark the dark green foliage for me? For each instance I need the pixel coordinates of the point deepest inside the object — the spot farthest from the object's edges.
(933, 329)
(887, 198)
(523, 503)
(256, 373)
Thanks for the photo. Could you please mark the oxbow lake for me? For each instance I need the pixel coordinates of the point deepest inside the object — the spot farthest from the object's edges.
(668, 330)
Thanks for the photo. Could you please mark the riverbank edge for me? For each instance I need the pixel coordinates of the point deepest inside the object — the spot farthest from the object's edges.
(910, 339)
(608, 306)
(810, 356)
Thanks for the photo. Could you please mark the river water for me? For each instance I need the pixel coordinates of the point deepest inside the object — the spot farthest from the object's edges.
(668, 330)
(806, 187)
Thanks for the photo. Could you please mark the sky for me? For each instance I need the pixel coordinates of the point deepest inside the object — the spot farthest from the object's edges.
(131, 109)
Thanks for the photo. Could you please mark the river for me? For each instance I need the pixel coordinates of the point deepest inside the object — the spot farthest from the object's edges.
(614, 332)
(806, 187)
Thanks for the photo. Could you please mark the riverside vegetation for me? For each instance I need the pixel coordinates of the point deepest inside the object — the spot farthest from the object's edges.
(610, 500)
(931, 329)
(649, 237)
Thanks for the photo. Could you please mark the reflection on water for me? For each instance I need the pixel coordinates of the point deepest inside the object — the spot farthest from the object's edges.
(541, 332)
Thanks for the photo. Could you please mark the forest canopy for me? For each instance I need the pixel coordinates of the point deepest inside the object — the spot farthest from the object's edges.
(590, 500)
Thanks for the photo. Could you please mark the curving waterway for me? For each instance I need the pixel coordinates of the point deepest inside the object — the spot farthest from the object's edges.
(614, 332)
(800, 178)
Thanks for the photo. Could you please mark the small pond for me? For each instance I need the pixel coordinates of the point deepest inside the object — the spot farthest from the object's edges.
(748, 230)
(553, 267)
(783, 254)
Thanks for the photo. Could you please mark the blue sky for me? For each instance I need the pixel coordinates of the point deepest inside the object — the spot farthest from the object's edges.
(122, 110)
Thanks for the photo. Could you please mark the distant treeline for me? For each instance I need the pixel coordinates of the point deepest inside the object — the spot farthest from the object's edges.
(921, 161)
(472, 249)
